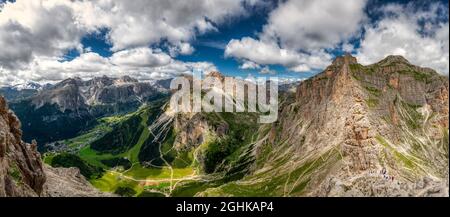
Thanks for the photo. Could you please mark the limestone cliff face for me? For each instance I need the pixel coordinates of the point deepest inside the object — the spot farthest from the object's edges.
(388, 122)
(21, 172)
(194, 129)
(78, 94)
(354, 130)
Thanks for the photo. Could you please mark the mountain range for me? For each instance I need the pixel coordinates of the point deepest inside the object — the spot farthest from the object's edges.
(351, 130)
(64, 109)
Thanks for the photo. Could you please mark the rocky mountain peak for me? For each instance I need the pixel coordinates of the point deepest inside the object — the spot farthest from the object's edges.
(28, 86)
(125, 79)
(394, 59)
(345, 59)
(104, 80)
(216, 74)
(75, 81)
(388, 108)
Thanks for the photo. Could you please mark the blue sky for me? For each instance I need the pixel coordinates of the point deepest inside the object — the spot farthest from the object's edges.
(210, 46)
(158, 39)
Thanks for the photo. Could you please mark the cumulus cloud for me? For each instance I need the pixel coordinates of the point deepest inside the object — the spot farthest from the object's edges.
(249, 65)
(31, 28)
(34, 35)
(416, 34)
(308, 25)
(89, 65)
(150, 21)
(51, 27)
(266, 70)
(260, 52)
(298, 32)
(269, 53)
(140, 57)
(181, 48)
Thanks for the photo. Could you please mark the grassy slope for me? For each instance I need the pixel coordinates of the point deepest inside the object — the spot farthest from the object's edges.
(114, 178)
(228, 157)
(413, 150)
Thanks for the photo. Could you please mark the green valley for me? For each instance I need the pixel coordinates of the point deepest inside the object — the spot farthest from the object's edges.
(141, 154)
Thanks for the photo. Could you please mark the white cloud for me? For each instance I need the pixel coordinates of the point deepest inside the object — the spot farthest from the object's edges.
(399, 33)
(269, 53)
(52, 70)
(181, 48)
(266, 70)
(89, 65)
(204, 26)
(249, 65)
(32, 28)
(35, 34)
(60, 23)
(140, 57)
(260, 52)
(300, 68)
(151, 21)
(298, 32)
(308, 25)
(347, 47)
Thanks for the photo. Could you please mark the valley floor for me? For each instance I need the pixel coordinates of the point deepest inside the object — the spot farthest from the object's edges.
(132, 180)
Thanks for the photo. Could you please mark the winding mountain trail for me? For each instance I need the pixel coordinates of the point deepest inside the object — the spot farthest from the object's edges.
(165, 121)
(156, 180)
(159, 130)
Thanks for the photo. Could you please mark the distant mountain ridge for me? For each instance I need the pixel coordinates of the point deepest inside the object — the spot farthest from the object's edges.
(67, 107)
(28, 86)
(22, 91)
(75, 93)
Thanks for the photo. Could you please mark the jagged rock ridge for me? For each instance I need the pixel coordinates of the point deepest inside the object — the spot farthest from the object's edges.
(22, 173)
(75, 93)
(354, 130)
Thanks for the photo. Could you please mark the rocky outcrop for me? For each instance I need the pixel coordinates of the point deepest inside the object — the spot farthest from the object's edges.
(385, 120)
(68, 182)
(217, 75)
(194, 130)
(21, 172)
